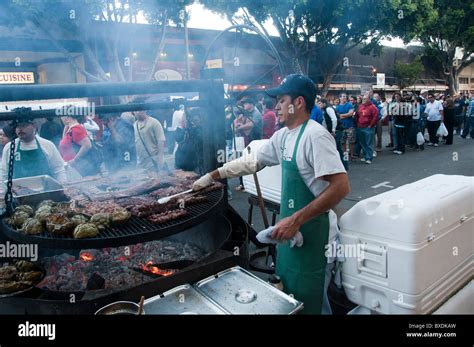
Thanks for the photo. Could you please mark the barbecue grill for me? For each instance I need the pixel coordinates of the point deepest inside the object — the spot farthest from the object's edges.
(212, 225)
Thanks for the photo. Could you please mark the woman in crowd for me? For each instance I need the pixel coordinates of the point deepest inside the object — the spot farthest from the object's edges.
(76, 148)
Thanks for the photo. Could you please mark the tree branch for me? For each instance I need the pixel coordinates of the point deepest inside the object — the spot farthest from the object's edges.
(37, 22)
(161, 45)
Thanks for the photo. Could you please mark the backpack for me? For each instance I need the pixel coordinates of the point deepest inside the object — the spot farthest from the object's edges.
(328, 120)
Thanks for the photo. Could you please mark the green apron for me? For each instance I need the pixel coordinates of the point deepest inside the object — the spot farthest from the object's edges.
(30, 163)
(302, 269)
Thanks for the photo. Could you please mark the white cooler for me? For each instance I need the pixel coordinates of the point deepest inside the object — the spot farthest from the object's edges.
(417, 242)
(269, 178)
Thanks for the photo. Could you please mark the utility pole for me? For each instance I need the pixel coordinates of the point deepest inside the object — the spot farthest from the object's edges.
(186, 43)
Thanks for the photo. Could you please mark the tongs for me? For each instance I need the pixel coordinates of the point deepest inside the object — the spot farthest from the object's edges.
(168, 198)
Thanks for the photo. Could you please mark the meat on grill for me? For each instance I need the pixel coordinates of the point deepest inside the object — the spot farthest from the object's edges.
(167, 216)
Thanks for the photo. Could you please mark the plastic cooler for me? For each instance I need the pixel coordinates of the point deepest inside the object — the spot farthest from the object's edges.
(269, 178)
(417, 244)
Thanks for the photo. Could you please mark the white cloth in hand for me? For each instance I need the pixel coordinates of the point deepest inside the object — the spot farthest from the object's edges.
(203, 182)
(265, 236)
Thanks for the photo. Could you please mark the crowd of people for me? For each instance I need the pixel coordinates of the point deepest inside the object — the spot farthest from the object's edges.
(96, 143)
(71, 147)
(356, 122)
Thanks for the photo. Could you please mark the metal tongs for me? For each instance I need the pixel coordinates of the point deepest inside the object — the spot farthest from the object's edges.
(168, 198)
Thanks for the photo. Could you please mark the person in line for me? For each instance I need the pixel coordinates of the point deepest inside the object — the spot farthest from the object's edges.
(76, 148)
(149, 140)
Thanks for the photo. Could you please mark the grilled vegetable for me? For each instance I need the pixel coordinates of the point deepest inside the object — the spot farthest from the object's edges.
(49, 203)
(18, 218)
(31, 276)
(43, 212)
(24, 266)
(25, 208)
(85, 231)
(78, 219)
(32, 226)
(8, 272)
(7, 287)
(120, 216)
(101, 220)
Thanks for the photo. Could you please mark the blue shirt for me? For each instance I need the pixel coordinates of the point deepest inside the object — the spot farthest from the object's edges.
(342, 109)
(470, 109)
(316, 114)
(379, 108)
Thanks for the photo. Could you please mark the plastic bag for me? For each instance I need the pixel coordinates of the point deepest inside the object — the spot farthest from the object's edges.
(420, 140)
(442, 131)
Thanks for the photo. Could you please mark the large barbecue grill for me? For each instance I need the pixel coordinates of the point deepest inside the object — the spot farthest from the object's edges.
(128, 233)
(211, 225)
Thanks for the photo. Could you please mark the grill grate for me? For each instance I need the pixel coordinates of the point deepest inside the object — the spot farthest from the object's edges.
(133, 231)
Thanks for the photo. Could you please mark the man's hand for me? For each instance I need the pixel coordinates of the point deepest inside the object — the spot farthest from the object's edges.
(285, 229)
(203, 182)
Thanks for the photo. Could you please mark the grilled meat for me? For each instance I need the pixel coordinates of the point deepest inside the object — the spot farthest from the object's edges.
(167, 216)
(59, 224)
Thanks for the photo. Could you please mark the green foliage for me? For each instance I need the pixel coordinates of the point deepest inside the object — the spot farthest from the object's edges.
(307, 26)
(451, 30)
(408, 73)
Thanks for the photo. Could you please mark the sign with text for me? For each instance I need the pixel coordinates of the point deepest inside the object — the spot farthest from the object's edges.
(380, 80)
(17, 78)
(214, 64)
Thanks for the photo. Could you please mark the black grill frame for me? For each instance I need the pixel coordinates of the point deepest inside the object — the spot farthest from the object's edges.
(136, 230)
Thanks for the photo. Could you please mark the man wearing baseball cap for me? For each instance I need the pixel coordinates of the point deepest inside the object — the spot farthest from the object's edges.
(313, 182)
(34, 156)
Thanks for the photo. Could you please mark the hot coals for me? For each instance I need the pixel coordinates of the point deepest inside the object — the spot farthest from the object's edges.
(120, 268)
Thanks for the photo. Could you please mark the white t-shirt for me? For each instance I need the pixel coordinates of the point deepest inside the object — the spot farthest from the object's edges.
(178, 120)
(433, 110)
(316, 156)
(333, 117)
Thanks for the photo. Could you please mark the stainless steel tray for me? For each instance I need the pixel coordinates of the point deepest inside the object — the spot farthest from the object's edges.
(237, 291)
(37, 189)
(181, 300)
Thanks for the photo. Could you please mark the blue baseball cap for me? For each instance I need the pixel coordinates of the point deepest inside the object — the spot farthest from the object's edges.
(295, 84)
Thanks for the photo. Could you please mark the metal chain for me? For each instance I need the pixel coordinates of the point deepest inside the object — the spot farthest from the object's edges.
(9, 193)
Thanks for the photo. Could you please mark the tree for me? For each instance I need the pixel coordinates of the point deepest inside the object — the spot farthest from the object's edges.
(60, 20)
(408, 73)
(449, 33)
(309, 28)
